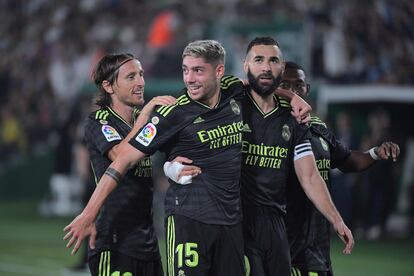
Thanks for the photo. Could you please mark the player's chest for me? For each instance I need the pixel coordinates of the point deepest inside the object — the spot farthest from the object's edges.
(272, 131)
(121, 128)
(215, 128)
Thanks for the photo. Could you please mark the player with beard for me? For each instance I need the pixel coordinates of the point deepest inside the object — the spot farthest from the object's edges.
(125, 237)
(203, 225)
(274, 144)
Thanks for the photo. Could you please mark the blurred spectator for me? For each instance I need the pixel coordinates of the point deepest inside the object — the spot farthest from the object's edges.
(67, 181)
(12, 136)
(52, 56)
(378, 183)
(83, 172)
(49, 47)
(411, 199)
(342, 183)
(165, 41)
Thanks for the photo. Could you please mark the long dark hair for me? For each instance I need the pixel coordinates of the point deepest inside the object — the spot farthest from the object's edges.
(108, 69)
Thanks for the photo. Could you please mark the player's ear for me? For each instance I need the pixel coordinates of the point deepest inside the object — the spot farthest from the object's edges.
(308, 87)
(220, 71)
(107, 87)
(245, 66)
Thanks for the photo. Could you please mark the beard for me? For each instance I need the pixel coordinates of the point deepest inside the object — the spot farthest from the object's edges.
(260, 89)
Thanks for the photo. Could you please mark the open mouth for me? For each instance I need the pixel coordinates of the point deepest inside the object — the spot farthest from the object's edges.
(138, 95)
(266, 80)
(194, 89)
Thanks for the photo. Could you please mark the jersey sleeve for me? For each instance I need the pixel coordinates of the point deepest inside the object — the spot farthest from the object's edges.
(302, 145)
(102, 136)
(230, 82)
(164, 123)
(232, 86)
(338, 151)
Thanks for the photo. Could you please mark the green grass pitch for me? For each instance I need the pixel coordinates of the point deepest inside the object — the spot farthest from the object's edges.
(32, 245)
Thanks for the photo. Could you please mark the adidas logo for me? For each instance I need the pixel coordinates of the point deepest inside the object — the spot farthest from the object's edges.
(198, 120)
(246, 128)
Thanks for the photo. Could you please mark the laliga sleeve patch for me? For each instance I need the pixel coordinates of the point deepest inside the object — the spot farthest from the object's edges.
(147, 134)
(110, 133)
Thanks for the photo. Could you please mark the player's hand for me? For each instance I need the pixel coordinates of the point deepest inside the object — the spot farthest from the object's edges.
(159, 100)
(78, 230)
(300, 109)
(306, 119)
(345, 235)
(163, 100)
(187, 170)
(387, 150)
(92, 237)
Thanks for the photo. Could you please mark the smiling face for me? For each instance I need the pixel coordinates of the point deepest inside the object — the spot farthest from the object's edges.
(128, 89)
(201, 78)
(263, 66)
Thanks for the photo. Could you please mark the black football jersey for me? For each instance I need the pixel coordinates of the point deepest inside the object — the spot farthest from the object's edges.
(212, 138)
(125, 221)
(270, 143)
(308, 230)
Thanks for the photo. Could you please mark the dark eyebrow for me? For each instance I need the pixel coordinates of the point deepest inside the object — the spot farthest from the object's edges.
(193, 68)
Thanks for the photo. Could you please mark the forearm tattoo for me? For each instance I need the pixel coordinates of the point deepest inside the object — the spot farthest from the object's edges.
(114, 174)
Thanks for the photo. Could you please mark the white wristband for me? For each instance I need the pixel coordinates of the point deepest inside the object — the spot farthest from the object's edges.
(373, 154)
(173, 169)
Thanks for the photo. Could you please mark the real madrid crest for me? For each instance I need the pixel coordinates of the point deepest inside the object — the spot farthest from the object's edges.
(286, 133)
(234, 106)
(155, 120)
(324, 144)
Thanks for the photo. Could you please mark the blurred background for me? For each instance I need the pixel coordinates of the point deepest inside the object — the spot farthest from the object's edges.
(358, 56)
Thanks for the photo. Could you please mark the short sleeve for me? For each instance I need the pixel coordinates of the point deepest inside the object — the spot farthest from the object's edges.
(102, 136)
(338, 151)
(302, 145)
(162, 126)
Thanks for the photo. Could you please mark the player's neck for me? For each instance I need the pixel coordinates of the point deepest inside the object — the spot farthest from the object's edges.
(125, 111)
(266, 103)
(212, 101)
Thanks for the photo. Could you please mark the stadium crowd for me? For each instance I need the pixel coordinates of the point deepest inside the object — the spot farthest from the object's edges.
(48, 49)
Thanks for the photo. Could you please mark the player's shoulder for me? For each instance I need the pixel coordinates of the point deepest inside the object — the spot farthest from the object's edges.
(316, 122)
(284, 109)
(100, 117)
(102, 121)
(227, 82)
(283, 104)
(101, 114)
(231, 85)
(320, 128)
(179, 108)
